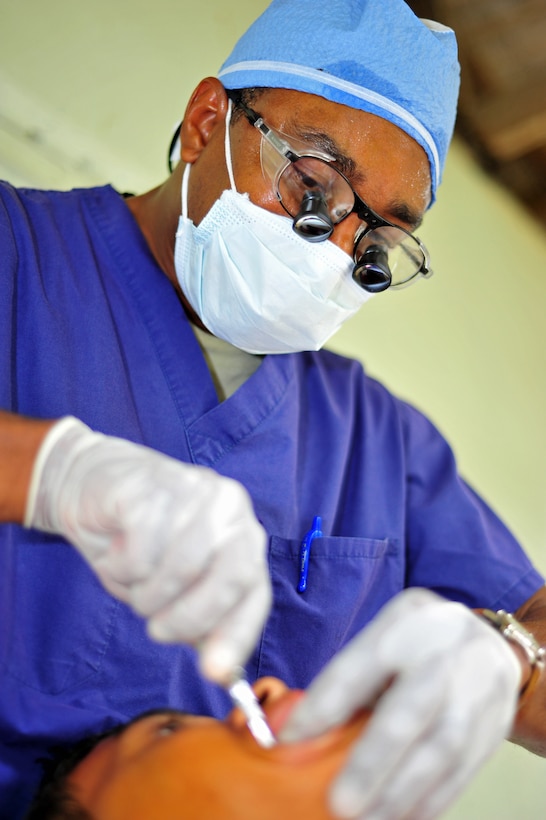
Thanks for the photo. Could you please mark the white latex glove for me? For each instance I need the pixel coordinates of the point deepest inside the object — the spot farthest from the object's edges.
(177, 542)
(451, 702)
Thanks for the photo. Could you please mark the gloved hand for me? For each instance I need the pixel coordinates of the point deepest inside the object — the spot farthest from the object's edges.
(177, 542)
(444, 687)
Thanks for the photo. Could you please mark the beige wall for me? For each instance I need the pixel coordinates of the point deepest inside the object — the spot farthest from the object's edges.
(89, 93)
(469, 347)
(469, 344)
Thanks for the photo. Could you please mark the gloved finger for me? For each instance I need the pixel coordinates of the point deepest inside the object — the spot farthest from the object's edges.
(152, 500)
(362, 669)
(201, 607)
(475, 699)
(398, 725)
(420, 772)
(209, 569)
(428, 778)
(134, 548)
(177, 573)
(338, 691)
(231, 644)
(119, 591)
(437, 796)
(482, 731)
(229, 638)
(437, 800)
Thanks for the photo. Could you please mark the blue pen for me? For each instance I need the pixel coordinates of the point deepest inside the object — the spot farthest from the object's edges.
(305, 549)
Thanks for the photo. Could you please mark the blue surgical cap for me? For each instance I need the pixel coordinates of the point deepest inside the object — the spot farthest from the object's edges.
(374, 55)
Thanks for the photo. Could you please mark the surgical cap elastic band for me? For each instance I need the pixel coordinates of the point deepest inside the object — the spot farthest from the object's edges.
(352, 89)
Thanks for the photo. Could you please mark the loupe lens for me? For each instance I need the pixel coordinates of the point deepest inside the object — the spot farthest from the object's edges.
(308, 181)
(312, 221)
(372, 270)
(390, 250)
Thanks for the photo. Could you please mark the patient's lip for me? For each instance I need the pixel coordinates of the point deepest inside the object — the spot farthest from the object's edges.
(279, 711)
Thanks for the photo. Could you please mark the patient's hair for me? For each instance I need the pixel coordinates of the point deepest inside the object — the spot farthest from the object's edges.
(54, 798)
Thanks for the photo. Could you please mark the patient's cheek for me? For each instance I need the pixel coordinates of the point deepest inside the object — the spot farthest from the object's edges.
(278, 712)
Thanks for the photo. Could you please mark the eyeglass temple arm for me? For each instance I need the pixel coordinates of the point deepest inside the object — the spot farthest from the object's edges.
(273, 139)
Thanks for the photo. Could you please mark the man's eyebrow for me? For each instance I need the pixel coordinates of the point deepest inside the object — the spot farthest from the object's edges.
(397, 210)
(402, 212)
(326, 143)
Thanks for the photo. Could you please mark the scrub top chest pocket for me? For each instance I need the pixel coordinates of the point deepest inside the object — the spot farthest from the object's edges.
(348, 581)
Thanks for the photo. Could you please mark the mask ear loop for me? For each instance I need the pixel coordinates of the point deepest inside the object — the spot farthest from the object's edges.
(184, 190)
(227, 148)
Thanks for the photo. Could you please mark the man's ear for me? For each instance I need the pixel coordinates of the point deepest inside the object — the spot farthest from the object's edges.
(205, 111)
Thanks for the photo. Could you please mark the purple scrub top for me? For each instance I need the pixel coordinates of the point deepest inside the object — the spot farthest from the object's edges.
(91, 327)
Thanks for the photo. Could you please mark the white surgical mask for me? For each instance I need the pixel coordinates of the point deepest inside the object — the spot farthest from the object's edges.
(255, 283)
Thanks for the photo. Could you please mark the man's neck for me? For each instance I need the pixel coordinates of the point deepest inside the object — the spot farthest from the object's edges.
(156, 213)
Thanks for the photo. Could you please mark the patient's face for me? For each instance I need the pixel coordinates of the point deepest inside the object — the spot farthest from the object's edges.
(170, 764)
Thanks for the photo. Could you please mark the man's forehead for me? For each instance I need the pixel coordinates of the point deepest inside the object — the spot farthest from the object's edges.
(348, 136)
(310, 116)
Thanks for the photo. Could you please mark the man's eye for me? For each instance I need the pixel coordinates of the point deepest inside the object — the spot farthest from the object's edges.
(339, 212)
(305, 181)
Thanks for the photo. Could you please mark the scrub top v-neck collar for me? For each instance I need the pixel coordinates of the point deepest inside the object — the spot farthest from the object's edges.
(212, 428)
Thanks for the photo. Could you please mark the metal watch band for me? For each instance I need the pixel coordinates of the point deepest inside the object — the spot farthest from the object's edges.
(512, 630)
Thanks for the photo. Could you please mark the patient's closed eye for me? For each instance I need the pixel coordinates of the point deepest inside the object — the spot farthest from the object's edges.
(170, 725)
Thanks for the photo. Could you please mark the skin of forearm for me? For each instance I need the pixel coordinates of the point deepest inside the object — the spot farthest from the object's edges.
(20, 440)
(530, 725)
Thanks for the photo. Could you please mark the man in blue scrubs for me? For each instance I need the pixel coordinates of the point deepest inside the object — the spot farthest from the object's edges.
(190, 483)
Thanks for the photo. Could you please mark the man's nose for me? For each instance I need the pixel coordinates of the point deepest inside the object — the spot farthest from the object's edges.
(344, 233)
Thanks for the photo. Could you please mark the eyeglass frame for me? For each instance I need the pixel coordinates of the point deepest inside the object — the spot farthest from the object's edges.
(367, 215)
